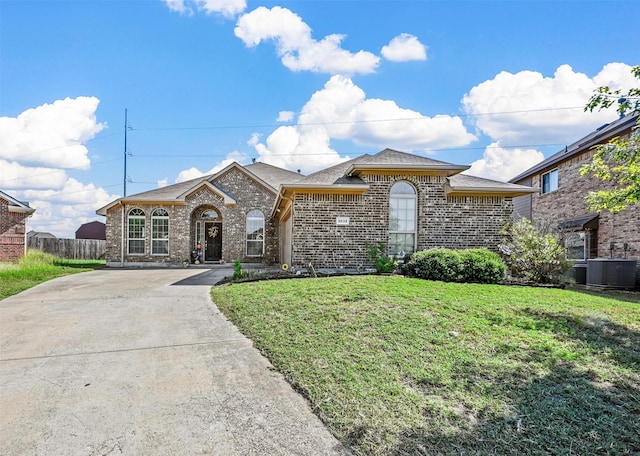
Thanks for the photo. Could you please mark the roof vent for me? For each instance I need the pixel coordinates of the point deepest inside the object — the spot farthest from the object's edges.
(602, 126)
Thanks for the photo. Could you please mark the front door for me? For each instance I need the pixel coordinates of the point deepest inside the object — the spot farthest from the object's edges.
(213, 241)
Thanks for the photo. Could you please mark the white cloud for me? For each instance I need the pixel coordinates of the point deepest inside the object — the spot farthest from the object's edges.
(295, 46)
(226, 8)
(62, 211)
(163, 182)
(285, 116)
(254, 139)
(193, 173)
(503, 164)
(13, 176)
(404, 48)
(36, 148)
(342, 111)
(177, 6)
(52, 134)
(527, 108)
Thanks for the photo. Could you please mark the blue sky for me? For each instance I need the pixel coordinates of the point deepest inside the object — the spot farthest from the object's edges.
(298, 84)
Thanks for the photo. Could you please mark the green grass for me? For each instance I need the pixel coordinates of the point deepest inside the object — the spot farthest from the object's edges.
(403, 366)
(36, 267)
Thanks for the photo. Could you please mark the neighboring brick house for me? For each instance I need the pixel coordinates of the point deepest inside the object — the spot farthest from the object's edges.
(261, 213)
(13, 221)
(560, 194)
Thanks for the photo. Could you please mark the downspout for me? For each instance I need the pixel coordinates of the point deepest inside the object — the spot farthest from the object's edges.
(122, 234)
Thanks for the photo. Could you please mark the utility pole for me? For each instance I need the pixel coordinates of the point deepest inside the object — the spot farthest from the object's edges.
(126, 127)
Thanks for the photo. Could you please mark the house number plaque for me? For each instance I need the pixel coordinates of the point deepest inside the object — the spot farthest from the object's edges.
(342, 220)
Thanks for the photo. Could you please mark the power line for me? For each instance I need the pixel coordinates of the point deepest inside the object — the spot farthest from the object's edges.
(344, 122)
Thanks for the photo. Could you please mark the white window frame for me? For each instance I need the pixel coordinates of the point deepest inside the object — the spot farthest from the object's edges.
(551, 181)
(160, 232)
(136, 214)
(401, 198)
(252, 217)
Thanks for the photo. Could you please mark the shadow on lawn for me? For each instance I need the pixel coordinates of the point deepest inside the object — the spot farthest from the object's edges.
(620, 295)
(567, 412)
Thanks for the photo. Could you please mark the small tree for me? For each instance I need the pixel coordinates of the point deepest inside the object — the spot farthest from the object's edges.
(532, 256)
(617, 161)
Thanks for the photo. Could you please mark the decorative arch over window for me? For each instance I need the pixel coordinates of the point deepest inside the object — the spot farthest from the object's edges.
(135, 232)
(255, 233)
(402, 219)
(160, 232)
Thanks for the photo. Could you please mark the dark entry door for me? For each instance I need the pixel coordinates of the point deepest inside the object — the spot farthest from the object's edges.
(213, 241)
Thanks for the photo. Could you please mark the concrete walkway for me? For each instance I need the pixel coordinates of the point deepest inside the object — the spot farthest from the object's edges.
(140, 362)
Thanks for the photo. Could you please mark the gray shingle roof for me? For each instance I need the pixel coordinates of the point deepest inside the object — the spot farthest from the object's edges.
(602, 134)
(462, 182)
(333, 175)
(273, 175)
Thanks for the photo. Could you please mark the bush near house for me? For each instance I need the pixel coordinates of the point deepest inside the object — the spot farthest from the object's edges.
(448, 265)
(533, 256)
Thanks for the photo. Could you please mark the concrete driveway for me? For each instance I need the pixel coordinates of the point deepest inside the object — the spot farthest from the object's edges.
(140, 362)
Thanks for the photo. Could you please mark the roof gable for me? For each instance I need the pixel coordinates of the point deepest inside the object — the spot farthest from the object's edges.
(16, 205)
(390, 160)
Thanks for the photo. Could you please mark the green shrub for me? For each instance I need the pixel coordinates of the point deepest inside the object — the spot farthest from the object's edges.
(448, 265)
(533, 256)
(482, 266)
(238, 273)
(434, 264)
(382, 261)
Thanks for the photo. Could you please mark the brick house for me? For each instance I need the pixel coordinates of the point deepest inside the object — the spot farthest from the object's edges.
(261, 213)
(559, 198)
(13, 222)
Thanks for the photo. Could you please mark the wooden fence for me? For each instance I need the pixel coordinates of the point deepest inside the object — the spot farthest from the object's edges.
(70, 249)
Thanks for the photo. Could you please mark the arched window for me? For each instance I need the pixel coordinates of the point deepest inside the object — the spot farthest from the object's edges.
(402, 219)
(209, 214)
(255, 233)
(160, 232)
(136, 232)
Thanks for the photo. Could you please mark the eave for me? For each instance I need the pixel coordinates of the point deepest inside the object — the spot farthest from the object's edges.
(288, 191)
(21, 210)
(487, 191)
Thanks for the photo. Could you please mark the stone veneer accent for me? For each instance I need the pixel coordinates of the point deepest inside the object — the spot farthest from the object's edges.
(453, 222)
(248, 195)
(12, 232)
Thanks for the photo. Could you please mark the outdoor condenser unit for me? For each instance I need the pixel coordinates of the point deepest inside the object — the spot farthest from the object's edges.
(611, 272)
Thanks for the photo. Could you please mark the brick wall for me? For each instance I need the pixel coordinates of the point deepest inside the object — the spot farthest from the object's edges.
(12, 232)
(569, 201)
(454, 222)
(182, 237)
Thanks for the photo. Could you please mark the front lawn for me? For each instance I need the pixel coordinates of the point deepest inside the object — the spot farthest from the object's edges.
(404, 366)
(36, 267)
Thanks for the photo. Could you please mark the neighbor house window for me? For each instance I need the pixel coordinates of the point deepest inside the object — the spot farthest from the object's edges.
(136, 232)
(255, 233)
(550, 181)
(402, 219)
(160, 232)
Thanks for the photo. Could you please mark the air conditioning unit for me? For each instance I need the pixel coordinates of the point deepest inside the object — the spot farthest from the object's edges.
(611, 273)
